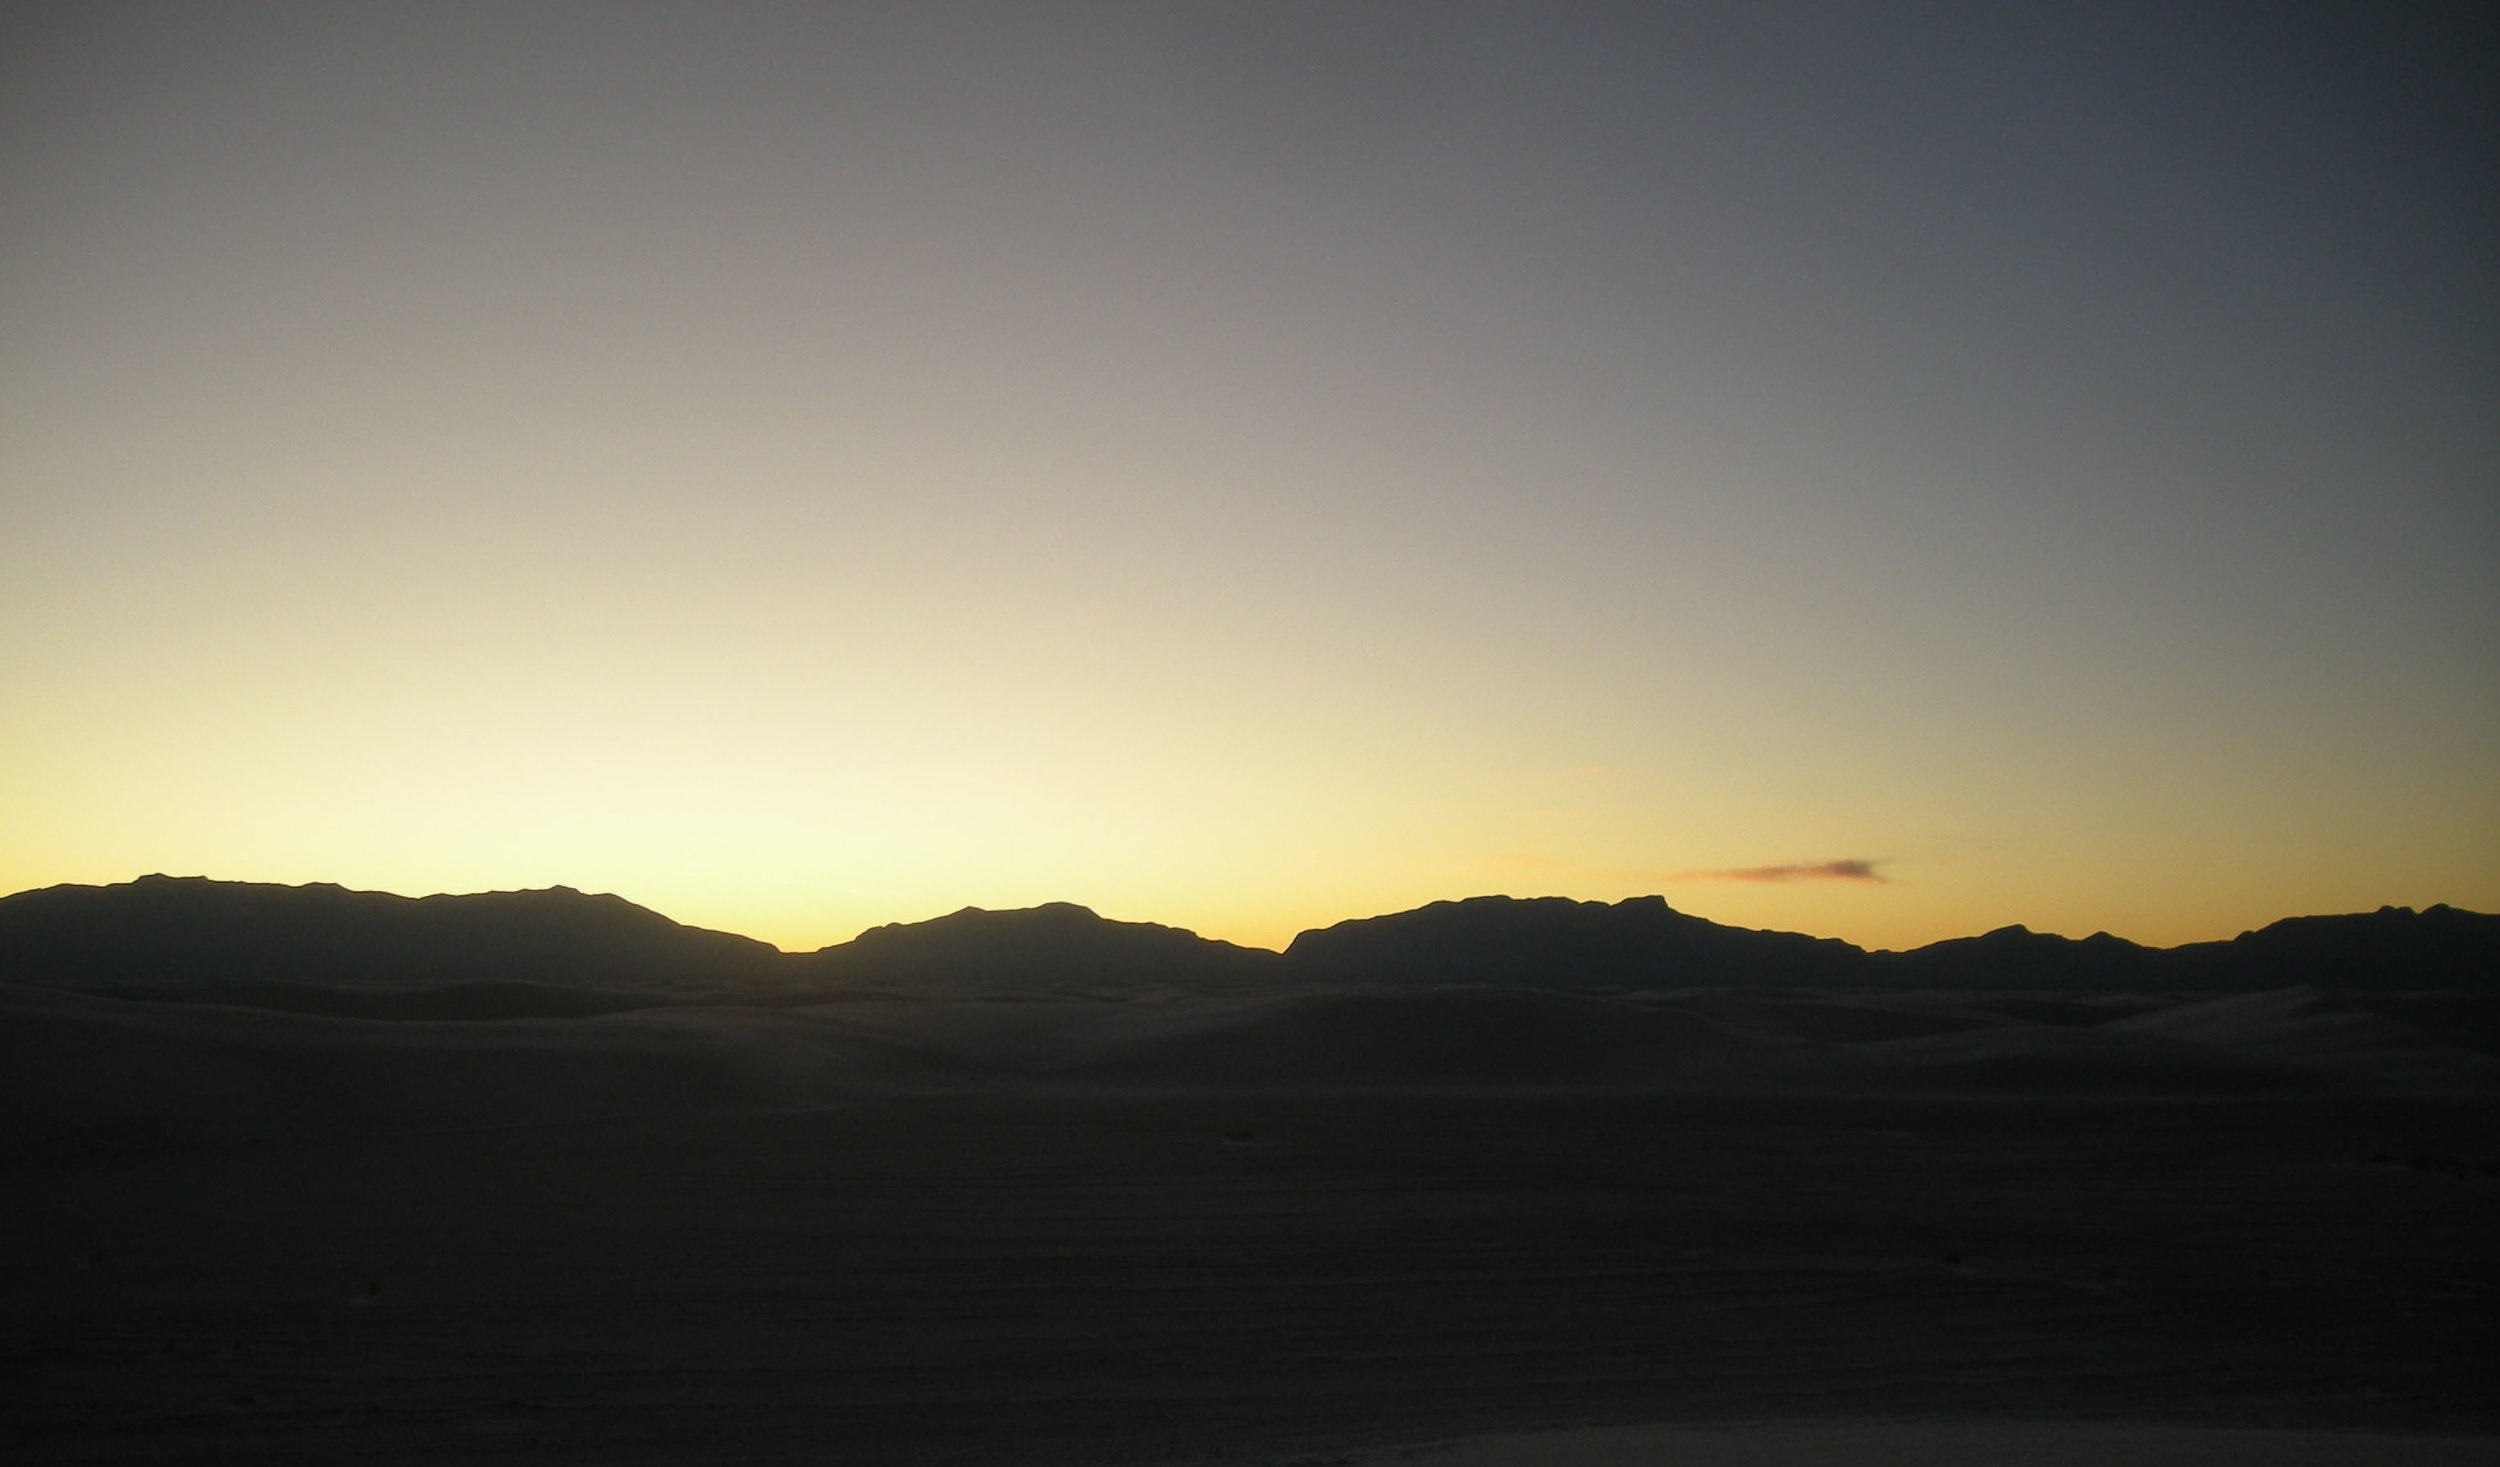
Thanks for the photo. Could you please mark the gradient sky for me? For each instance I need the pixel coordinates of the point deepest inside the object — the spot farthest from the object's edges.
(1251, 465)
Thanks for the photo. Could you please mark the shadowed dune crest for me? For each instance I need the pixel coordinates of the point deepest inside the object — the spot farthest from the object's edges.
(83, 1072)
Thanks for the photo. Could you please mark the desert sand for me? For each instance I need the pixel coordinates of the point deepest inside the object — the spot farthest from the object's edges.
(1105, 1279)
(1950, 1444)
(1028, 1218)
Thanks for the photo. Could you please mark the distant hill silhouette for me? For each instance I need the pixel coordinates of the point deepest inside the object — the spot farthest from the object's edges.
(1641, 942)
(559, 952)
(2393, 948)
(161, 930)
(1550, 942)
(1056, 944)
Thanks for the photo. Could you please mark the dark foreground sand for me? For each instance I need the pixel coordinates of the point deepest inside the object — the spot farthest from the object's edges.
(1154, 1280)
(1952, 1444)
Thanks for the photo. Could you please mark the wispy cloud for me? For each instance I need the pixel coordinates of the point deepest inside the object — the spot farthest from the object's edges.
(1854, 869)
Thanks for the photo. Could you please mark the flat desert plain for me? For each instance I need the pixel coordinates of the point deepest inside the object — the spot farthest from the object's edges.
(1135, 1277)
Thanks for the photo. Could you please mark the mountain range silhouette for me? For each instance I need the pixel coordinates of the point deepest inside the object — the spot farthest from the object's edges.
(179, 1011)
(560, 951)
(589, 1175)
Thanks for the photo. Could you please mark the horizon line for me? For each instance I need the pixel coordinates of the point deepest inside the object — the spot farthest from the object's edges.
(1658, 897)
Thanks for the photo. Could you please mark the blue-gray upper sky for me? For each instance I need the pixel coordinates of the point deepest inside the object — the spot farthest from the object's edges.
(1249, 465)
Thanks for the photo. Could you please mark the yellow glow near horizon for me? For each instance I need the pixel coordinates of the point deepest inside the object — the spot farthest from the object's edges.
(1234, 824)
(795, 754)
(810, 473)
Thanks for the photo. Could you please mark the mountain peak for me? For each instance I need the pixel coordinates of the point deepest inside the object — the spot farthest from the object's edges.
(162, 928)
(1054, 943)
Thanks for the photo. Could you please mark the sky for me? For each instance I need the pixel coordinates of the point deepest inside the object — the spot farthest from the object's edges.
(1880, 470)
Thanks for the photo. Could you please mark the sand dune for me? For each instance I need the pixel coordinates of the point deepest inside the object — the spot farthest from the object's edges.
(83, 1071)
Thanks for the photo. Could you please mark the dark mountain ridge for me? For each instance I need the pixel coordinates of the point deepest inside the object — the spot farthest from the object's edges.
(2391, 949)
(561, 952)
(1556, 942)
(173, 1012)
(161, 930)
(1057, 944)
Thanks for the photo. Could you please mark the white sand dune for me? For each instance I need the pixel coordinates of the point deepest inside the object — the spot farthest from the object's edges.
(79, 1071)
(96, 1070)
(2304, 1026)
